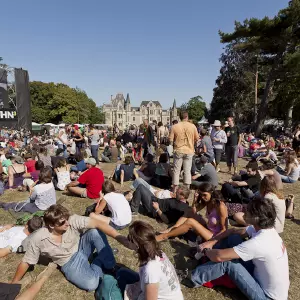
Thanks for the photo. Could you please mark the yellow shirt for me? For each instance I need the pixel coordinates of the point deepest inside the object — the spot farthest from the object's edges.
(184, 135)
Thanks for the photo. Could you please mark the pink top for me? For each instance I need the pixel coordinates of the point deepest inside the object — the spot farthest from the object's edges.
(213, 223)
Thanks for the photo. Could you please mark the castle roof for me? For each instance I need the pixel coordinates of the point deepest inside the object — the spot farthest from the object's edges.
(145, 103)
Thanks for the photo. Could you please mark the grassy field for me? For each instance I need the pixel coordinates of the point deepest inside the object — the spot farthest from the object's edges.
(57, 287)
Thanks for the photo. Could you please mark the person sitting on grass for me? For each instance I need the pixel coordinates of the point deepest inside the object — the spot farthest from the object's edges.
(125, 172)
(116, 204)
(62, 172)
(243, 189)
(158, 279)
(148, 168)
(207, 174)
(252, 265)
(268, 190)
(12, 236)
(62, 241)
(43, 195)
(137, 153)
(163, 173)
(89, 184)
(32, 178)
(291, 172)
(216, 214)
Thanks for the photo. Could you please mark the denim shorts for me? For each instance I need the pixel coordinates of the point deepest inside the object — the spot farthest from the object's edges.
(117, 227)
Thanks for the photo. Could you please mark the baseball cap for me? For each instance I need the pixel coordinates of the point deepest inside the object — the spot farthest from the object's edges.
(91, 161)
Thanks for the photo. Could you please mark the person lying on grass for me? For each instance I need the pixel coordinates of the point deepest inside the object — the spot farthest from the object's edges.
(62, 242)
(12, 236)
(216, 213)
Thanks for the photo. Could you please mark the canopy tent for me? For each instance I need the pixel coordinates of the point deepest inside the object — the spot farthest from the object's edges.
(50, 124)
(203, 121)
(36, 126)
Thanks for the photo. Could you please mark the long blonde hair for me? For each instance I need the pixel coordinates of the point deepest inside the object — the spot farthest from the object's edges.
(268, 185)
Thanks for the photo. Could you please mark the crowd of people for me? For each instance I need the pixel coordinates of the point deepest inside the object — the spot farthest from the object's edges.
(163, 164)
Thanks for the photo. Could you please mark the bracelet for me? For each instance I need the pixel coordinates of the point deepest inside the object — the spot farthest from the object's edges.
(157, 210)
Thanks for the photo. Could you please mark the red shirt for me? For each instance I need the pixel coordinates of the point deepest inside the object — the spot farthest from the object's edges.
(30, 165)
(93, 180)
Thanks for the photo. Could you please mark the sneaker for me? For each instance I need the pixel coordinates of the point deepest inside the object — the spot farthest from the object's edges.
(182, 274)
(218, 170)
(135, 214)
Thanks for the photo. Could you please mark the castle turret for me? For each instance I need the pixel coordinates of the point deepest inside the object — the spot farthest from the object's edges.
(127, 103)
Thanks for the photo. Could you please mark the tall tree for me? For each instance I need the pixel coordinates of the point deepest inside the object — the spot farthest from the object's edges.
(276, 40)
(195, 107)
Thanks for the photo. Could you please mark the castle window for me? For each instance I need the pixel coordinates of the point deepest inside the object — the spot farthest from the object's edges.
(151, 112)
(120, 116)
(133, 119)
(150, 119)
(168, 119)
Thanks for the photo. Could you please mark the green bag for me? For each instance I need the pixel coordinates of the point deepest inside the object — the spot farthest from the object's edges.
(108, 290)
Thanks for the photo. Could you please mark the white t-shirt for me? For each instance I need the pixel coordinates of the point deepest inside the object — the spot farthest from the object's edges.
(63, 137)
(119, 207)
(280, 211)
(269, 256)
(12, 237)
(161, 271)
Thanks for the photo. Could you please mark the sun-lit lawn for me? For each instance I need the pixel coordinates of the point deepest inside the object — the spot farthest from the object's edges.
(57, 287)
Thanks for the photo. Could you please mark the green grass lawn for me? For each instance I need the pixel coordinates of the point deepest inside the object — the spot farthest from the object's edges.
(57, 287)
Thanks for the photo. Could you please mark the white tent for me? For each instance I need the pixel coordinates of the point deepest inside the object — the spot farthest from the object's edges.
(50, 124)
(203, 121)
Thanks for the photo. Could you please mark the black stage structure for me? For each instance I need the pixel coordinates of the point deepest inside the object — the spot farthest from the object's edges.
(15, 104)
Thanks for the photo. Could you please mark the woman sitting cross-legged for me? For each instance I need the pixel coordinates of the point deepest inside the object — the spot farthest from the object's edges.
(216, 213)
(116, 204)
(158, 279)
(291, 173)
(268, 190)
(42, 197)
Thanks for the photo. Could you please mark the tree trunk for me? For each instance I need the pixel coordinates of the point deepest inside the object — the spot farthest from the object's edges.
(263, 107)
(288, 122)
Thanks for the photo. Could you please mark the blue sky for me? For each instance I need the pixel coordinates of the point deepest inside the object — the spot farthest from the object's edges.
(153, 50)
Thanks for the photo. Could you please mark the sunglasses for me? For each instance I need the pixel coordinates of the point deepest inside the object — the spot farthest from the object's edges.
(61, 223)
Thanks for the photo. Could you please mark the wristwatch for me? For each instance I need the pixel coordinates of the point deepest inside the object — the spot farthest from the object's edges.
(205, 250)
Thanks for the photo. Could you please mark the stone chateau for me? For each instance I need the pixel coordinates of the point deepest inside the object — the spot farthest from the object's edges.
(121, 112)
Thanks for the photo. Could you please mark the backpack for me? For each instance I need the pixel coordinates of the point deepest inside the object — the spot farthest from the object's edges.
(109, 289)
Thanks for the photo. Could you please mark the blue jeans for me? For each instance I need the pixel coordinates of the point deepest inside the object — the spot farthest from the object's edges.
(126, 276)
(64, 147)
(79, 271)
(94, 150)
(287, 179)
(238, 271)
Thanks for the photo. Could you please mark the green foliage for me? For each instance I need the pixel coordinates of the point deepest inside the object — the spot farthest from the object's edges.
(275, 43)
(195, 107)
(58, 103)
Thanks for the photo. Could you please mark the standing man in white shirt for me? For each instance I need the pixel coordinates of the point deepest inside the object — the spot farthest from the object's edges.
(259, 266)
(63, 140)
(219, 139)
